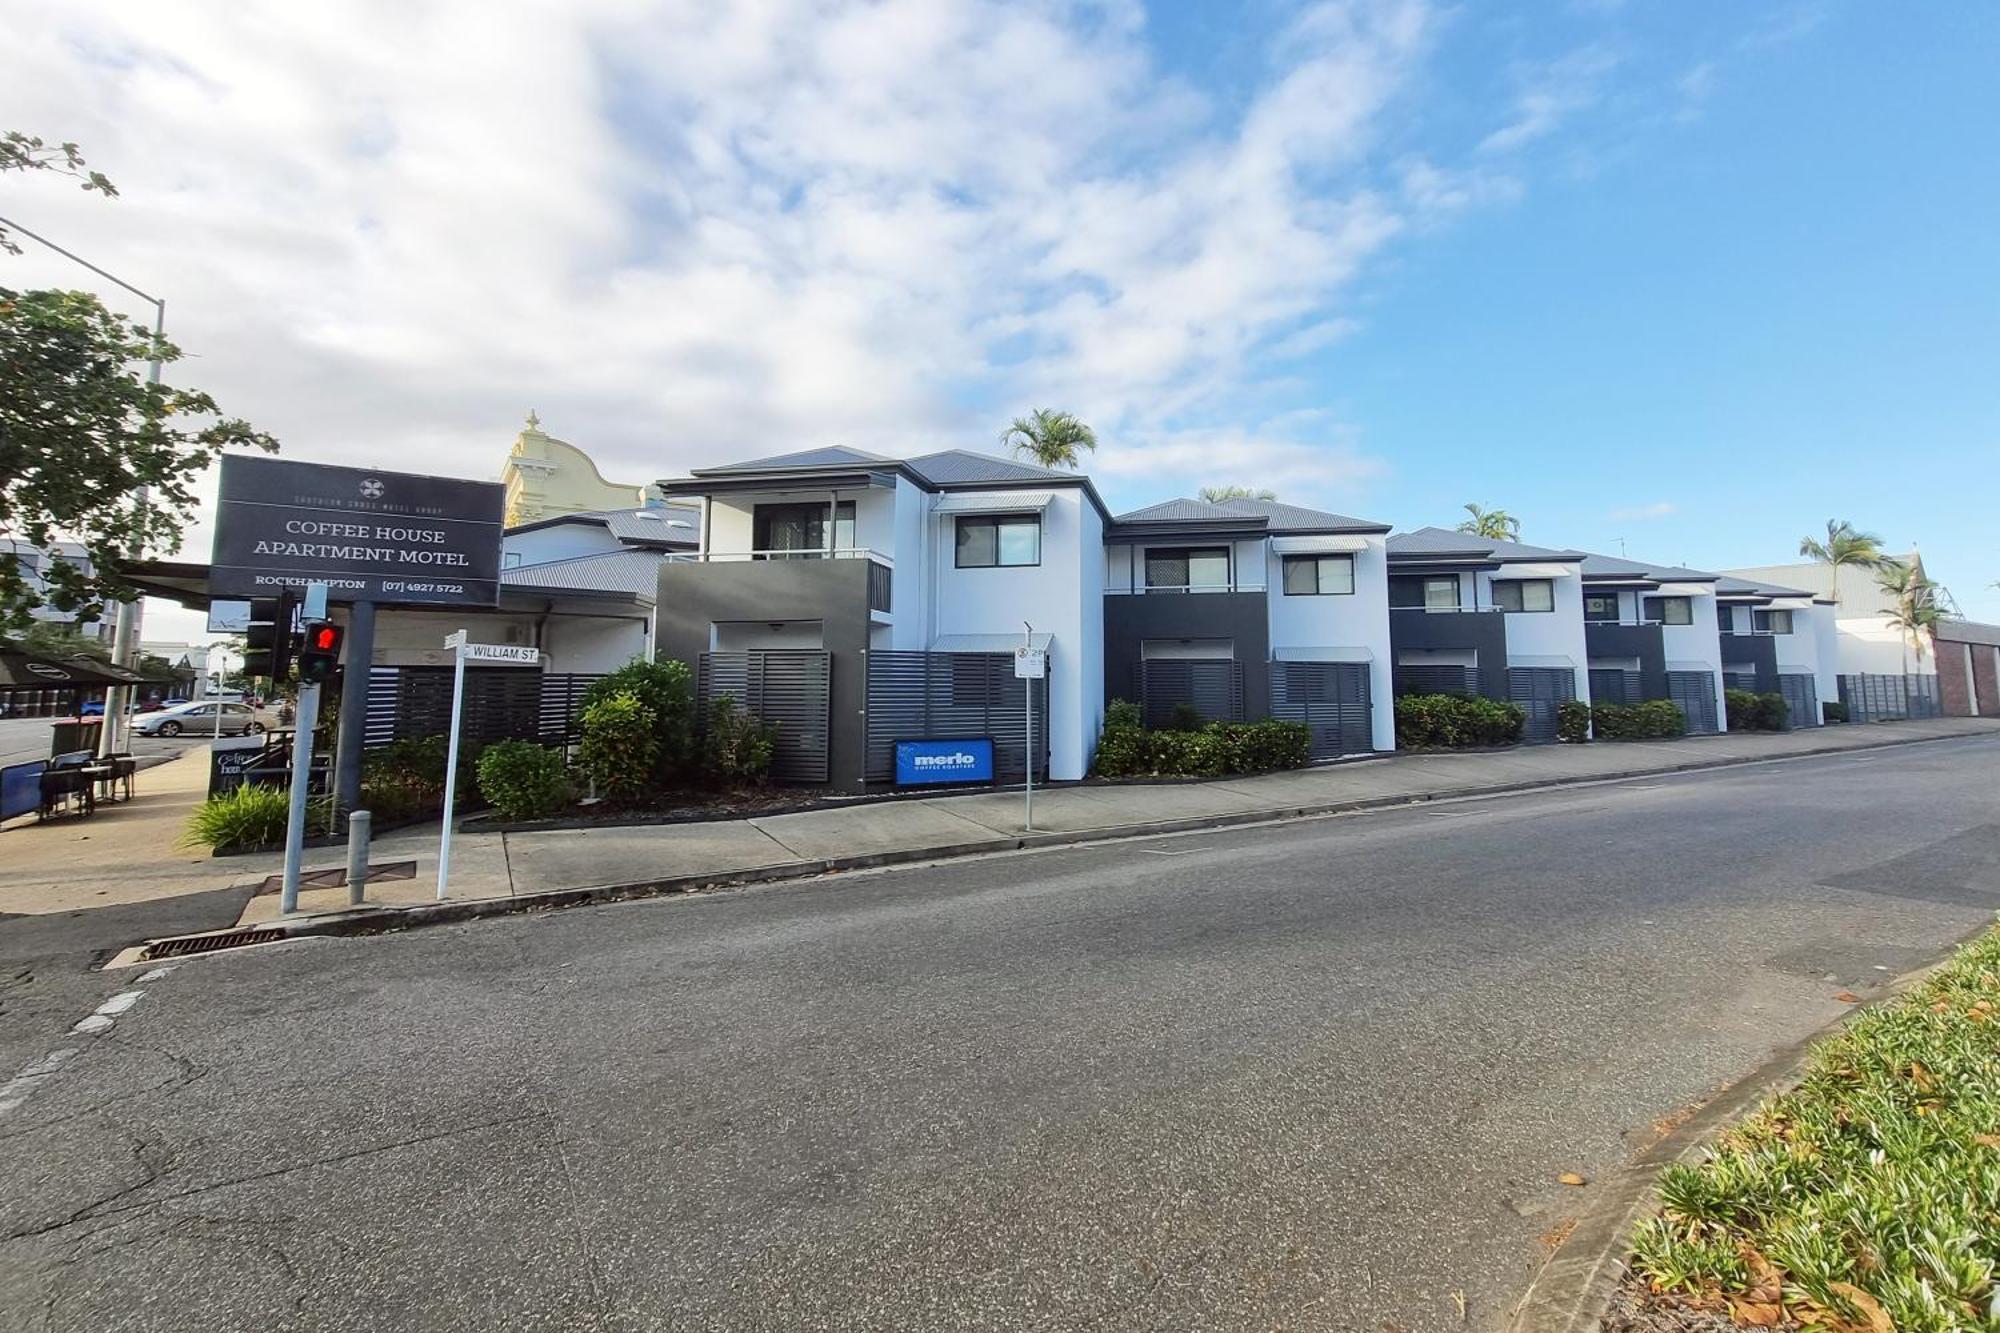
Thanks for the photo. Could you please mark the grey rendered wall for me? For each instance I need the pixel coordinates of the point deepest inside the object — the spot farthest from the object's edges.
(834, 592)
(1131, 619)
(1485, 632)
(1644, 642)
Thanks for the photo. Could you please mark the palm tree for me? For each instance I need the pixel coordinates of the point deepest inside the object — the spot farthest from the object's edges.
(1915, 613)
(1053, 439)
(1215, 495)
(1493, 524)
(1845, 544)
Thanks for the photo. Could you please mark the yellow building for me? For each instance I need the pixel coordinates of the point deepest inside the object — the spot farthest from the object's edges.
(547, 478)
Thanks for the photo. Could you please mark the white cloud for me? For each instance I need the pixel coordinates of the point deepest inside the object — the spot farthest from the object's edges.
(1550, 94)
(685, 231)
(1639, 513)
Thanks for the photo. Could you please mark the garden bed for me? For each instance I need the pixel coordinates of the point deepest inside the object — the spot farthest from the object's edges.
(1866, 1199)
(678, 807)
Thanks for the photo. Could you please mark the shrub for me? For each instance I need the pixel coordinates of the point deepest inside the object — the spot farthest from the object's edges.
(1185, 717)
(1573, 721)
(523, 780)
(1637, 722)
(249, 816)
(244, 816)
(406, 778)
(1833, 711)
(619, 750)
(1748, 711)
(1454, 721)
(1125, 749)
(1123, 713)
(667, 689)
(1773, 713)
(737, 746)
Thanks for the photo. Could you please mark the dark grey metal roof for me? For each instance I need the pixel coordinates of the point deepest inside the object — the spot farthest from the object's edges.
(1191, 511)
(838, 455)
(1616, 567)
(1294, 518)
(1728, 585)
(633, 573)
(1447, 541)
(958, 467)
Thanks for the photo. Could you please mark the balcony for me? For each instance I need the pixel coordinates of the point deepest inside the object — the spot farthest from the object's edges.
(1249, 585)
(839, 573)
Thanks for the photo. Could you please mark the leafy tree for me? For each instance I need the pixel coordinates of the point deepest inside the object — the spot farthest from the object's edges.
(1217, 494)
(1493, 524)
(81, 430)
(1845, 545)
(22, 152)
(53, 639)
(1053, 439)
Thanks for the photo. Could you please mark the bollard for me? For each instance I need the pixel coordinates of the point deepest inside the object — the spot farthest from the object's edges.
(357, 856)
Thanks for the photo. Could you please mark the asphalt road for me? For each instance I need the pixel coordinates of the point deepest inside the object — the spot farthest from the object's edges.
(25, 739)
(1321, 1075)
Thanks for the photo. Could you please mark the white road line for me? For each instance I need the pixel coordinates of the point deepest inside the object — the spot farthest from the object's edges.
(20, 1087)
(1186, 851)
(157, 973)
(90, 1024)
(120, 1002)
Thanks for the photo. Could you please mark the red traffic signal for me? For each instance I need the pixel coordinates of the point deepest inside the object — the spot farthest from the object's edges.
(319, 651)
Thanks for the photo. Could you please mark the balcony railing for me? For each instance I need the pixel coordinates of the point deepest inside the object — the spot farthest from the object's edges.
(809, 553)
(1142, 590)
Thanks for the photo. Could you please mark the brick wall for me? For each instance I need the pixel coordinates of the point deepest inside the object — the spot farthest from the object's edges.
(1954, 685)
(1986, 675)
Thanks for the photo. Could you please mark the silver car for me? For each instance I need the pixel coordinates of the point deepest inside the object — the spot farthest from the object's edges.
(198, 719)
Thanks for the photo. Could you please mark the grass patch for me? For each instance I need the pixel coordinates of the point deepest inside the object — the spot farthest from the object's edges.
(1867, 1198)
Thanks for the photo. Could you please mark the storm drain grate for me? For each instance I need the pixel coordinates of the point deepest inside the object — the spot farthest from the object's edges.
(187, 944)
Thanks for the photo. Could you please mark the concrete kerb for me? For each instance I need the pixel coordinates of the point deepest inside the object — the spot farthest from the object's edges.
(373, 920)
(1574, 1288)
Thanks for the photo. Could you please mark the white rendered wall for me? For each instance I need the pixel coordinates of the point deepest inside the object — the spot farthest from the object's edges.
(1345, 627)
(1698, 643)
(1546, 634)
(593, 646)
(1872, 645)
(1826, 653)
(1057, 597)
(909, 597)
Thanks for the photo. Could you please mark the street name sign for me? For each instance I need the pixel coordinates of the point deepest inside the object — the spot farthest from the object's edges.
(370, 536)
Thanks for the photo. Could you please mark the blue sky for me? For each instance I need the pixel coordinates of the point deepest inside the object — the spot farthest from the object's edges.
(1693, 274)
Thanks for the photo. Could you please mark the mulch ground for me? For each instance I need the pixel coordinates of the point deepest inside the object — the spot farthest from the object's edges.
(1636, 1310)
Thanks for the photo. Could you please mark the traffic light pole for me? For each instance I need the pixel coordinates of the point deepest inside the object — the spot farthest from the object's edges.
(353, 705)
(295, 824)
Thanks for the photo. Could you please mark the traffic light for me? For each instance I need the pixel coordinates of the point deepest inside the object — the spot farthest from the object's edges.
(319, 651)
(269, 649)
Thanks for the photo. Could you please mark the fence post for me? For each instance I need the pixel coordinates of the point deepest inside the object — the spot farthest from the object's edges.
(358, 823)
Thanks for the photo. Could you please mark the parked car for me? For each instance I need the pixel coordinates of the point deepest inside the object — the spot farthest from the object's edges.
(198, 719)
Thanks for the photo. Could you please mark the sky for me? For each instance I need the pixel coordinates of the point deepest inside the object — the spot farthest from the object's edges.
(1683, 278)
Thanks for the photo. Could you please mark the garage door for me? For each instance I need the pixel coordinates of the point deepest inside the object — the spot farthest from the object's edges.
(1541, 691)
(1802, 699)
(1694, 691)
(1331, 698)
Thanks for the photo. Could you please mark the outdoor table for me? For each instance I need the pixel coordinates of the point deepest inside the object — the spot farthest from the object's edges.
(115, 769)
(59, 783)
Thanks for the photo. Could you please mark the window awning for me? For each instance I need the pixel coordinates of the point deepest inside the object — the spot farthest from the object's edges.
(1322, 654)
(1331, 543)
(989, 643)
(1686, 590)
(1691, 666)
(1792, 604)
(1558, 662)
(993, 502)
(1532, 570)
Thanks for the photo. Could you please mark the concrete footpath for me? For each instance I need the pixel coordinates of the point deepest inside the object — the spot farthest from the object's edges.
(497, 872)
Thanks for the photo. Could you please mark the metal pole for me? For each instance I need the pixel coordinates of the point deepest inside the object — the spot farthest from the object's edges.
(357, 855)
(451, 763)
(1028, 756)
(354, 705)
(295, 825)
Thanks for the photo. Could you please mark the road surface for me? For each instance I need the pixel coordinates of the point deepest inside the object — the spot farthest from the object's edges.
(1322, 1075)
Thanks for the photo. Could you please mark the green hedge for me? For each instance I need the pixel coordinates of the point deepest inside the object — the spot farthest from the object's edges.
(1573, 721)
(1456, 721)
(524, 780)
(1638, 722)
(1756, 712)
(1833, 711)
(1127, 749)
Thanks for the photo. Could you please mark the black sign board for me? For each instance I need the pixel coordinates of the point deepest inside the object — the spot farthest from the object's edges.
(370, 536)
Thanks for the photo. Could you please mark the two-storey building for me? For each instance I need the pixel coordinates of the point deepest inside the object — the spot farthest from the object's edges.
(1651, 633)
(1244, 609)
(857, 600)
(1476, 615)
(1779, 640)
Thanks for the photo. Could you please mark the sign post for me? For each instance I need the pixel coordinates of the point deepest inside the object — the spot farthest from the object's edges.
(1030, 665)
(462, 651)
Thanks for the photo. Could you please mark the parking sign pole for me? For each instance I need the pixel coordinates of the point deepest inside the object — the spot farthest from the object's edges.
(1028, 758)
(457, 645)
(302, 753)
